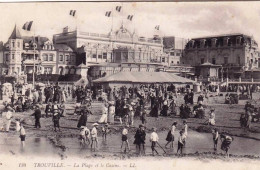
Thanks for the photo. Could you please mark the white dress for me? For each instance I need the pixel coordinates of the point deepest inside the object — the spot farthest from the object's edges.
(103, 118)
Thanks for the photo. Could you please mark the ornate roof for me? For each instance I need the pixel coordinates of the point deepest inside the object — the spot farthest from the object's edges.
(123, 33)
(15, 34)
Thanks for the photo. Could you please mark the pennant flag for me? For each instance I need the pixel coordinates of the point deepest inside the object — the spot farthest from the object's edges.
(72, 12)
(157, 27)
(66, 29)
(118, 8)
(130, 17)
(108, 13)
(27, 26)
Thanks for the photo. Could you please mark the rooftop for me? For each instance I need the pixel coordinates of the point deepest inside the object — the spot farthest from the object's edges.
(144, 77)
(15, 34)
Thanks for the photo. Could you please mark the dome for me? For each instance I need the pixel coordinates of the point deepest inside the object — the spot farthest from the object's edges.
(123, 33)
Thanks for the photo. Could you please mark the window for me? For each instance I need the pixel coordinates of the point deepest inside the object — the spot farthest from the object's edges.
(94, 56)
(61, 58)
(201, 60)
(67, 57)
(238, 60)
(51, 57)
(178, 62)
(213, 61)
(99, 56)
(13, 44)
(18, 44)
(163, 59)
(6, 57)
(172, 53)
(45, 57)
(104, 55)
(172, 62)
(12, 56)
(178, 54)
(225, 60)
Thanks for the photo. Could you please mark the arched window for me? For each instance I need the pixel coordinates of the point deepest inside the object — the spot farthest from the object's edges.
(61, 70)
(67, 70)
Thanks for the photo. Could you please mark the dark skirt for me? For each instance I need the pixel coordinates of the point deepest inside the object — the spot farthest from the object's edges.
(169, 137)
(225, 145)
(124, 137)
(22, 137)
(215, 141)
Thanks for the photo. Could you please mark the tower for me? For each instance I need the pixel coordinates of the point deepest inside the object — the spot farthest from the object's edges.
(13, 53)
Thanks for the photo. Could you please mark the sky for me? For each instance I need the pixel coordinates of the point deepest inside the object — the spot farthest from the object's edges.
(186, 20)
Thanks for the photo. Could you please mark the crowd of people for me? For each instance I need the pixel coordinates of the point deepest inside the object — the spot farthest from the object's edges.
(125, 105)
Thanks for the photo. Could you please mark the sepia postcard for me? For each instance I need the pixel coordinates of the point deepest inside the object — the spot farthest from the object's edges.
(129, 85)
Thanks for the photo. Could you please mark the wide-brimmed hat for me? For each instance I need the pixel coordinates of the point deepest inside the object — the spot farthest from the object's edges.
(95, 124)
(141, 125)
(111, 102)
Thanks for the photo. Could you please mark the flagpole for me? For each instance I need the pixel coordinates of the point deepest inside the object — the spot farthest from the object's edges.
(34, 57)
(112, 13)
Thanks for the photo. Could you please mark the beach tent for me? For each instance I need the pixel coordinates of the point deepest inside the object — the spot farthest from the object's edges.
(135, 78)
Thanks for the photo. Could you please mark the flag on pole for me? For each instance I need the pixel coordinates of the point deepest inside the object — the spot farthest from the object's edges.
(72, 12)
(118, 8)
(157, 27)
(130, 17)
(108, 13)
(27, 26)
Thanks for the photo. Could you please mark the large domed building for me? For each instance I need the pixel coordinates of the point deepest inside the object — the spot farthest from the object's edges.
(119, 50)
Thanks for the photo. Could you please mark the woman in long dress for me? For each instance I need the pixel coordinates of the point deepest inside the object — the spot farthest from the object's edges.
(103, 118)
(170, 135)
(111, 113)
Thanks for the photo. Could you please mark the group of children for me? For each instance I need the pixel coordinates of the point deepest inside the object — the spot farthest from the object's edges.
(89, 137)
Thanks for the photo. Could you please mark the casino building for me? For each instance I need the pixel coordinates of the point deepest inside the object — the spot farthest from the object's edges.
(120, 50)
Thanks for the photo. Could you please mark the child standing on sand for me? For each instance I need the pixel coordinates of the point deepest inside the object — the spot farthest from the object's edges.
(154, 139)
(125, 139)
(22, 135)
(181, 142)
(215, 138)
(105, 130)
(94, 140)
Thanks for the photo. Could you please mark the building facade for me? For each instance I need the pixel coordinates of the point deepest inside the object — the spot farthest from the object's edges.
(236, 53)
(174, 47)
(101, 54)
(118, 50)
(22, 53)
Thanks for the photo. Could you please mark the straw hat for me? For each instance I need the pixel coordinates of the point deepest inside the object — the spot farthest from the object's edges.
(95, 124)
(141, 125)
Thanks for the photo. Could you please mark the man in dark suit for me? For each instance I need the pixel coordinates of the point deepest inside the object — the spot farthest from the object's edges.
(37, 114)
